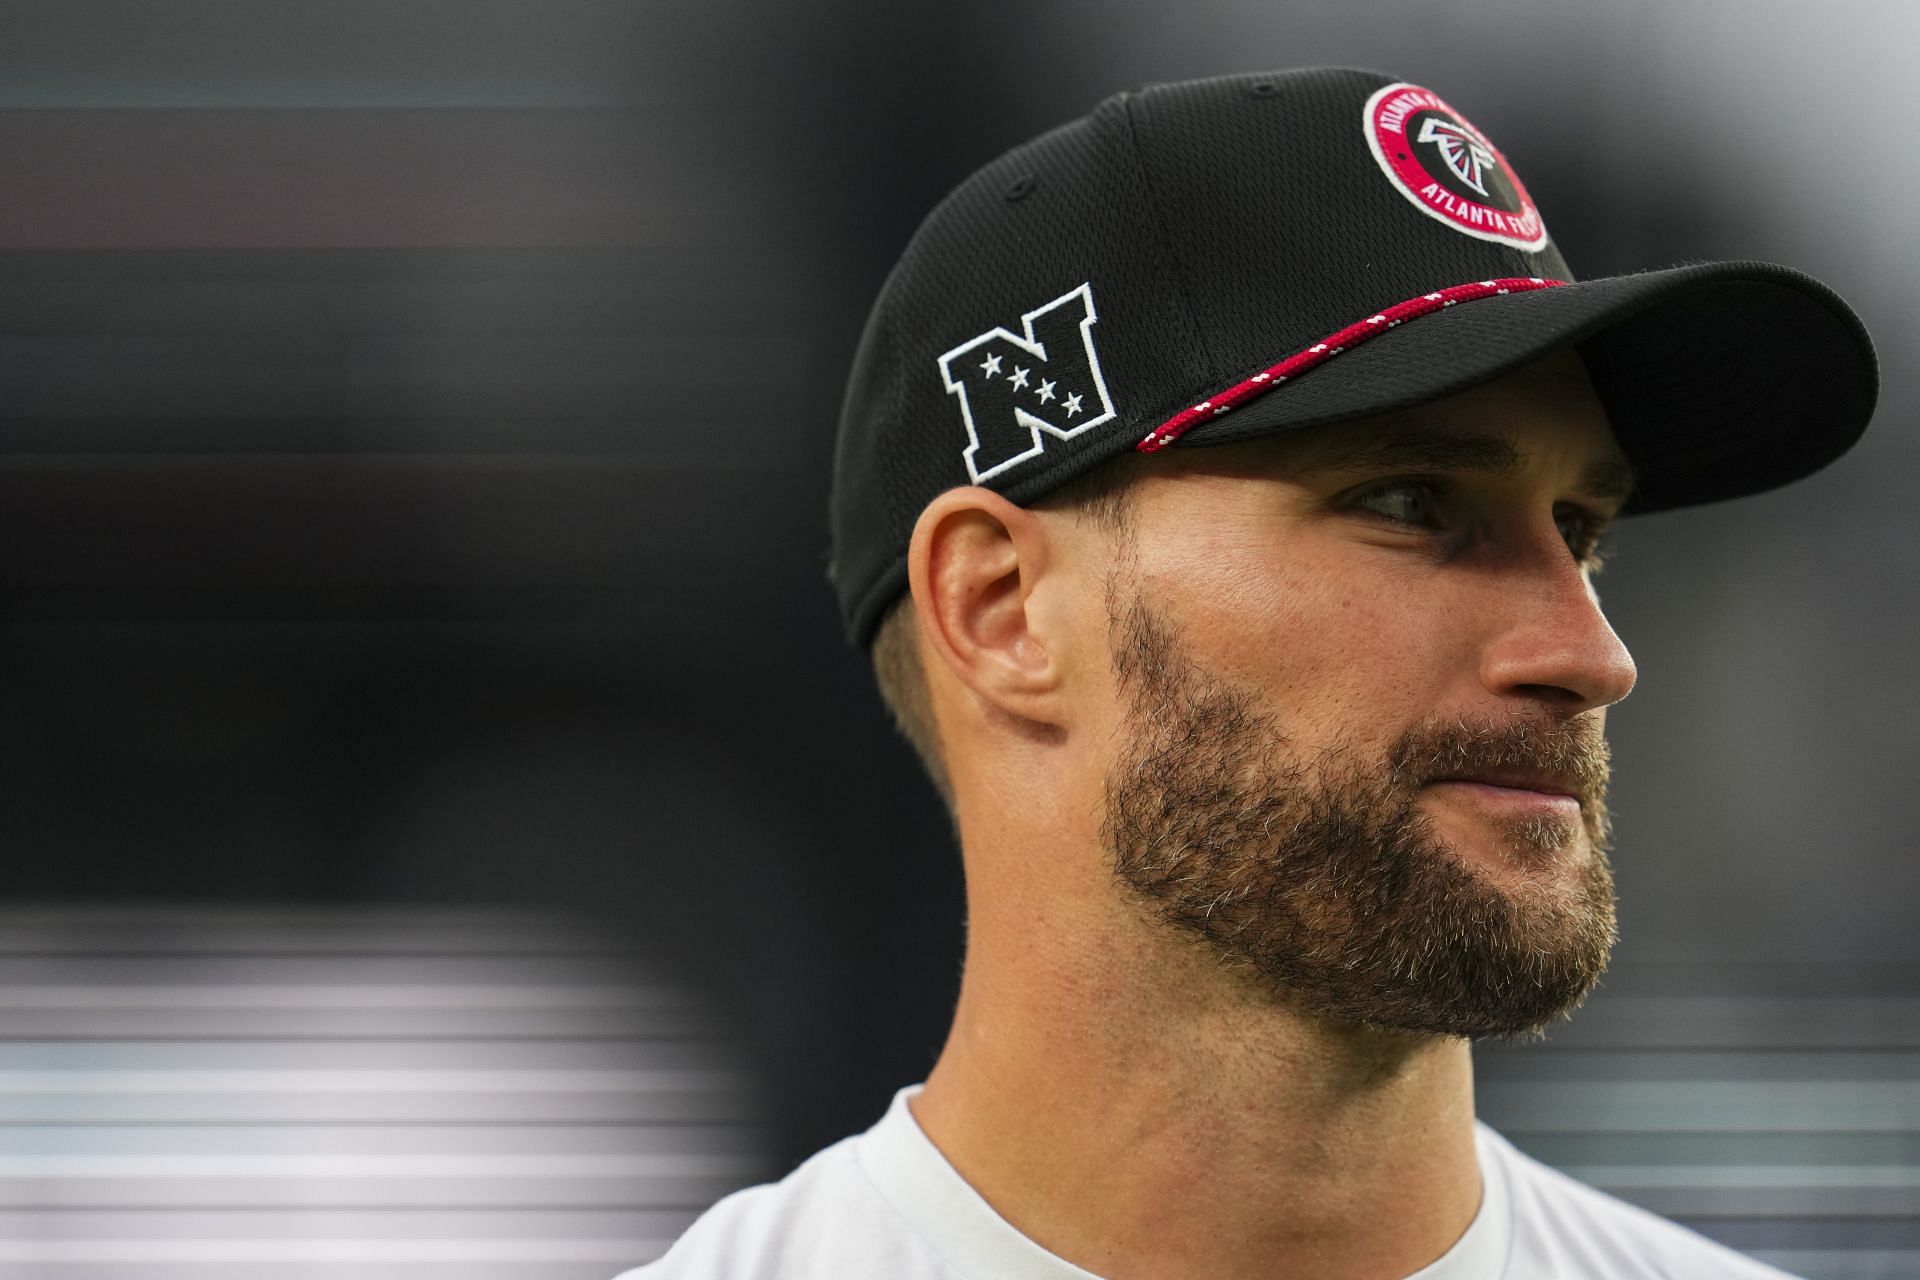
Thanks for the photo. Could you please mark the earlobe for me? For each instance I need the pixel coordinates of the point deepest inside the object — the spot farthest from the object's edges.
(974, 564)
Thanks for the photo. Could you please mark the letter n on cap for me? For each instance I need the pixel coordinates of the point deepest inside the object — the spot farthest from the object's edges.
(1013, 388)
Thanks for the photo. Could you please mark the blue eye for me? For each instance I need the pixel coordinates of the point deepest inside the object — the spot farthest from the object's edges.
(1403, 503)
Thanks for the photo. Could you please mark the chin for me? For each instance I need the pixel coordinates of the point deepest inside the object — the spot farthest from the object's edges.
(1515, 847)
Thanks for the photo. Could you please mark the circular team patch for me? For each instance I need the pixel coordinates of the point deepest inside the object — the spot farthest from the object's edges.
(1448, 169)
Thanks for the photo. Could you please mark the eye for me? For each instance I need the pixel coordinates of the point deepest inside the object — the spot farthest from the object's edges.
(1409, 502)
(1583, 532)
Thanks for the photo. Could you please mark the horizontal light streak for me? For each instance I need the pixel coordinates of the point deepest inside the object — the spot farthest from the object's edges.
(624, 1252)
(1842, 1264)
(370, 1082)
(205, 1095)
(1581, 1106)
(296, 1222)
(291, 1166)
(240, 996)
(1767, 1176)
(320, 1109)
(1744, 1022)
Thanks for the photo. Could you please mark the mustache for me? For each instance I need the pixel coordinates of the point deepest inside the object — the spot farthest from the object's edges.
(1568, 755)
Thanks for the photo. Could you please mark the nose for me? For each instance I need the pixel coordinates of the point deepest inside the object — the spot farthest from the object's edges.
(1554, 644)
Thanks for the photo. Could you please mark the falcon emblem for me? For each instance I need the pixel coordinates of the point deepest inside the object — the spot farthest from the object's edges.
(1465, 154)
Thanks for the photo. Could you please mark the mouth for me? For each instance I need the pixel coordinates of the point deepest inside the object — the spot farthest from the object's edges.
(1514, 792)
(1537, 782)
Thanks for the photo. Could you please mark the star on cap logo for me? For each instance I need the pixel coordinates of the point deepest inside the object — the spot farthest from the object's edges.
(1448, 169)
(1017, 389)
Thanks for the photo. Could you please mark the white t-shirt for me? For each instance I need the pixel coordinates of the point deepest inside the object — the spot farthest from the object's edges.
(886, 1205)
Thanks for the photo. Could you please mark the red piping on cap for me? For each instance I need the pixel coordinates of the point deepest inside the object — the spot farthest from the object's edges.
(1327, 348)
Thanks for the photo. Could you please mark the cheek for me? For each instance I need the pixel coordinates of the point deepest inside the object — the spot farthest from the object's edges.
(1334, 641)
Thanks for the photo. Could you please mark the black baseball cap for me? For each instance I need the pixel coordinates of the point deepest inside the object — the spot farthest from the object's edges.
(1205, 262)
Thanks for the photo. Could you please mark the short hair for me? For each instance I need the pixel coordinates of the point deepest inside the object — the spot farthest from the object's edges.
(1102, 497)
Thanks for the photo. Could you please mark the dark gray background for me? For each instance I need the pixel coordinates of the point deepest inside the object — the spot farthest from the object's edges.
(415, 423)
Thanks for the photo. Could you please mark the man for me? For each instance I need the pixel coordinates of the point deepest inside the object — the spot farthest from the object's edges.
(1219, 488)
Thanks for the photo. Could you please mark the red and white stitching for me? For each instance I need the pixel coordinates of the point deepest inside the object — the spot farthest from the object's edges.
(1329, 347)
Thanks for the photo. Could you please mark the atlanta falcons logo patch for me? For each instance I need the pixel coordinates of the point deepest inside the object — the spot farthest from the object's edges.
(1015, 389)
(1448, 169)
(1465, 154)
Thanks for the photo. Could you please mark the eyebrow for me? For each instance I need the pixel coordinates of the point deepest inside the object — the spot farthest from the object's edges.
(1607, 479)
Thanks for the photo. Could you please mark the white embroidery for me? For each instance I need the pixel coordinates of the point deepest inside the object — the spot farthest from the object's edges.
(1465, 154)
(1023, 418)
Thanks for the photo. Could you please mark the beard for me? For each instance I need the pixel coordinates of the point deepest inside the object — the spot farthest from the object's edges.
(1315, 874)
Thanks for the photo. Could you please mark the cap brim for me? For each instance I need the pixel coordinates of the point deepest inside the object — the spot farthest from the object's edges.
(1720, 379)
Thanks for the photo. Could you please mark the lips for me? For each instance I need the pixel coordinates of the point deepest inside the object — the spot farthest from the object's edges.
(1542, 781)
(1523, 763)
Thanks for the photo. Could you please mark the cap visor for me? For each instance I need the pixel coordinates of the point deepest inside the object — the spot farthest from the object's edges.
(1720, 379)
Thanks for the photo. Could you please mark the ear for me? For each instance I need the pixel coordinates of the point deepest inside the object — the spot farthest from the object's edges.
(974, 564)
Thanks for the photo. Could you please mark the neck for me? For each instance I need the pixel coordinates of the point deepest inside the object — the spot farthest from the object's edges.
(1135, 1108)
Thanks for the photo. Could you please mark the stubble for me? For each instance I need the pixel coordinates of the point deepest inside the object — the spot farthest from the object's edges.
(1314, 873)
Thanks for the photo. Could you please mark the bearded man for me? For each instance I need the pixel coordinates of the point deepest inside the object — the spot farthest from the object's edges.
(1220, 487)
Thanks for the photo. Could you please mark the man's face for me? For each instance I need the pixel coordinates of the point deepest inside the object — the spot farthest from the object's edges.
(1362, 678)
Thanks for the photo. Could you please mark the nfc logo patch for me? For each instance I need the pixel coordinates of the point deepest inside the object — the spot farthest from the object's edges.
(1014, 388)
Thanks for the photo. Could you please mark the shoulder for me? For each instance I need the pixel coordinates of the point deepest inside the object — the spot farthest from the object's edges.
(1565, 1228)
(824, 1221)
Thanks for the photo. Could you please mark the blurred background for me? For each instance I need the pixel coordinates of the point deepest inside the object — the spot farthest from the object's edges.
(420, 700)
